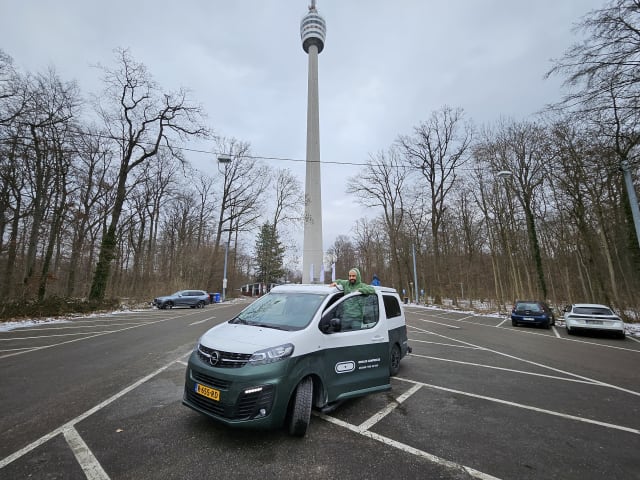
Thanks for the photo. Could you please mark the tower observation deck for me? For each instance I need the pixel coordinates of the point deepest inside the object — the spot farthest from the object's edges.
(312, 33)
(313, 29)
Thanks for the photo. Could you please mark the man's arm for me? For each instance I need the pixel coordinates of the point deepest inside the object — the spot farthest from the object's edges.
(365, 289)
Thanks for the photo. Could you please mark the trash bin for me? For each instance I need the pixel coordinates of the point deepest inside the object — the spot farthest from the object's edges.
(216, 298)
(406, 300)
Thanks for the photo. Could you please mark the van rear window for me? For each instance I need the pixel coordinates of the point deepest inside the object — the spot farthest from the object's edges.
(391, 306)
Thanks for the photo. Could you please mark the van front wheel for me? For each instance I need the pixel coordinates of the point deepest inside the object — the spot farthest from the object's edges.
(300, 415)
(394, 360)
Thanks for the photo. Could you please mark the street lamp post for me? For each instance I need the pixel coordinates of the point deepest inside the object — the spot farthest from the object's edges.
(224, 159)
(224, 273)
(633, 199)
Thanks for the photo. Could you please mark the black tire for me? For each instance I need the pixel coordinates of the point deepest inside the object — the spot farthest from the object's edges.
(622, 335)
(201, 304)
(394, 360)
(169, 305)
(163, 306)
(569, 331)
(300, 414)
(514, 323)
(547, 325)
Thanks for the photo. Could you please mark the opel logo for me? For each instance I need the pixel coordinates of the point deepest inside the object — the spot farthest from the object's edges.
(214, 358)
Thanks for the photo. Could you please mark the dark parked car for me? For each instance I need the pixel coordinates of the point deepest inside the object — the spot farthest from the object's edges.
(532, 312)
(183, 298)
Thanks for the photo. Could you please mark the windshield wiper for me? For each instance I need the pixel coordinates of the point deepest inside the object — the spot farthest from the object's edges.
(275, 327)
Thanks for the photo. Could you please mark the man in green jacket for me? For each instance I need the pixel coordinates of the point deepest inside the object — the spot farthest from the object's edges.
(352, 314)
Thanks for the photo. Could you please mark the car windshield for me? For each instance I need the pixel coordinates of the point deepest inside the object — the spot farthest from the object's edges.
(592, 311)
(284, 311)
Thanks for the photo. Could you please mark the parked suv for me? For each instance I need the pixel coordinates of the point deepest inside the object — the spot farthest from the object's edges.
(298, 347)
(183, 298)
(532, 312)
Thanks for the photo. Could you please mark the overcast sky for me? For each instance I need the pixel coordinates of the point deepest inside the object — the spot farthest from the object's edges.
(386, 66)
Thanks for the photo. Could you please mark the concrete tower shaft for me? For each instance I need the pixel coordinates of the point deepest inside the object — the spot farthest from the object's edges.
(312, 33)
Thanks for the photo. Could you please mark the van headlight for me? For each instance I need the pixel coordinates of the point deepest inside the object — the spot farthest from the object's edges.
(271, 355)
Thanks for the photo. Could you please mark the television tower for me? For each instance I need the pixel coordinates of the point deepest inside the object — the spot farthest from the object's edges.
(312, 33)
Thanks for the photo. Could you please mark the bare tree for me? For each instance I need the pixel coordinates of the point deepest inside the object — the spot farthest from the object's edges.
(602, 73)
(289, 206)
(141, 119)
(437, 148)
(381, 184)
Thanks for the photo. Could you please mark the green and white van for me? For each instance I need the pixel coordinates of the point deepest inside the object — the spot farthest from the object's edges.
(292, 350)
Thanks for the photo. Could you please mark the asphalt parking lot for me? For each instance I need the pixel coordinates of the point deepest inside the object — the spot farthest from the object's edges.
(100, 398)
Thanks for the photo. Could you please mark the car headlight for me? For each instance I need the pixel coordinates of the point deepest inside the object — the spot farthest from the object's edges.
(271, 355)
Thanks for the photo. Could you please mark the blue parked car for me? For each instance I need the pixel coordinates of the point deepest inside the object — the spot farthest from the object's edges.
(532, 312)
(183, 298)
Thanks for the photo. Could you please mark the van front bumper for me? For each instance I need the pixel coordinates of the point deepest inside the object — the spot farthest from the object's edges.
(249, 396)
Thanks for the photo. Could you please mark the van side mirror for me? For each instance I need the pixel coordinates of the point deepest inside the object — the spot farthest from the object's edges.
(329, 323)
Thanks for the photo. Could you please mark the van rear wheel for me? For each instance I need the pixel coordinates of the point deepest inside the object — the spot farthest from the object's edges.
(394, 360)
(300, 414)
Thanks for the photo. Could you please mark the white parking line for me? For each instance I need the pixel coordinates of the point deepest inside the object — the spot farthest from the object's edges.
(93, 335)
(45, 438)
(525, 407)
(453, 327)
(615, 387)
(202, 321)
(367, 424)
(88, 462)
(555, 330)
(632, 338)
(446, 344)
(505, 369)
(407, 448)
(501, 323)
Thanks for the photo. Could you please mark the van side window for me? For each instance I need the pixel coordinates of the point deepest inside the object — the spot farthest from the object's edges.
(391, 306)
(355, 313)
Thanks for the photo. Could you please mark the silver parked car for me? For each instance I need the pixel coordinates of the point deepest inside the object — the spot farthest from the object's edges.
(183, 298)
(592, 316)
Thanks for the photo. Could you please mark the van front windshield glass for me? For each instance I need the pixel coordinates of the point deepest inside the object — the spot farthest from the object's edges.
(284, 311)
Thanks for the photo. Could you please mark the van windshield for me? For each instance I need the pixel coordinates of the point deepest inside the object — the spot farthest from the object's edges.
(284, 311)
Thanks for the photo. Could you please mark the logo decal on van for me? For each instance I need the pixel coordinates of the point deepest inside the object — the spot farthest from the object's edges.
(345, 367)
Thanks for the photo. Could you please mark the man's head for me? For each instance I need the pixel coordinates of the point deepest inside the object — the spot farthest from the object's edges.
(353, 276)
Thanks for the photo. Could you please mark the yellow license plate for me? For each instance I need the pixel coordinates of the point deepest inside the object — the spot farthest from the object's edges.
(211, 393)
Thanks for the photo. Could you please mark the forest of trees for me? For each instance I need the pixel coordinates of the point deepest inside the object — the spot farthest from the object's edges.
(536, 208)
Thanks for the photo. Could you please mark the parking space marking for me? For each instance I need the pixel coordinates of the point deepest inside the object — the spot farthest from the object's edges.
(453, 327)
(367, 424)
(525, 407)
(92, 335)
(56, 335)
(407, 448)
(555, 330)
(524, 332)
(68, 327)
(591, 380)
(88, 462)
(553, 377)
(501, 323)
(632, 338)
(446, 344)
(202, 321)
(45, 438)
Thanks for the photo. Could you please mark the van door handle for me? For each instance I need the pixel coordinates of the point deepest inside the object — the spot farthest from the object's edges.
(378, 338)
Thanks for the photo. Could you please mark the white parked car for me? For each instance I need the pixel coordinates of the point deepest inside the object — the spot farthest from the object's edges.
(591, 316)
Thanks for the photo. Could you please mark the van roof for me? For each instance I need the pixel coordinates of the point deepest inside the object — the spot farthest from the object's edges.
(318, 288)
